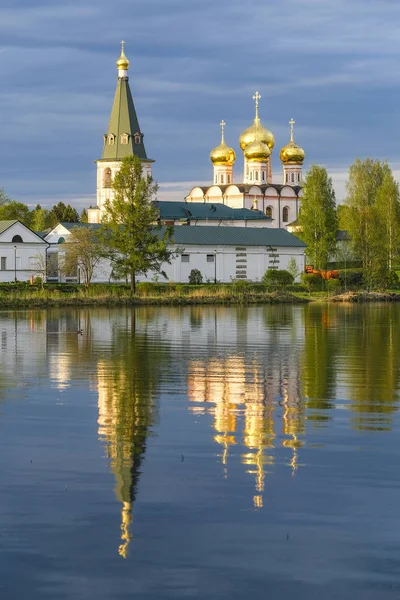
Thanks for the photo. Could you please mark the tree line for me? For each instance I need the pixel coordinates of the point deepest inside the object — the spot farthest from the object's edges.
(370, 215)
(39, 218)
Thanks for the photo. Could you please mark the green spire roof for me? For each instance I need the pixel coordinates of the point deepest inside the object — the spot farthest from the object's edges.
(123, 136)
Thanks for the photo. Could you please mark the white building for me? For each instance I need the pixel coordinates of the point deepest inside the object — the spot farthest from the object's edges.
(220, 253)
(22, 252)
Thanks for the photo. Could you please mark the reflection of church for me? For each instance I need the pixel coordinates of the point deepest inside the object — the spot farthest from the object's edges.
(242, 398)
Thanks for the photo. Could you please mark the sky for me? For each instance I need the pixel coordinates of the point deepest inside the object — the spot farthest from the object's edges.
(332, 66)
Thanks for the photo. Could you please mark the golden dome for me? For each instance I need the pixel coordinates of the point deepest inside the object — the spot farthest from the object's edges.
(292, 153)
(257, 151)
(223, 155)
(264, 135)
(123, 62)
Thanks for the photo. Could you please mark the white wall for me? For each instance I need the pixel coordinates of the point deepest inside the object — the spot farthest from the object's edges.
(20, 260)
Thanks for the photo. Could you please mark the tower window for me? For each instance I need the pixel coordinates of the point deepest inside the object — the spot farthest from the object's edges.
(263, 175)
(256, 175)
(268, 212)
(222, 178)
(124, 138)
(138, 138)
(229, 178)
(292, 177)
(285, 214)
(111, 139)
(107, 177)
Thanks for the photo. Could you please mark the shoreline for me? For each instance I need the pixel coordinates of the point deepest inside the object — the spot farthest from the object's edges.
(53, 298)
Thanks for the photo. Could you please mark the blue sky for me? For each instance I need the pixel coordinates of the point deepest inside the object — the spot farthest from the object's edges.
(333, 66)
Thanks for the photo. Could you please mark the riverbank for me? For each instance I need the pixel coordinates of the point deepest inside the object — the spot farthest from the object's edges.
(23, 296)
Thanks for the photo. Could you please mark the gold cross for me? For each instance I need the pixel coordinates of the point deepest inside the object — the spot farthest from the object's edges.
(292, 123)
(123, 45)
(257, 97)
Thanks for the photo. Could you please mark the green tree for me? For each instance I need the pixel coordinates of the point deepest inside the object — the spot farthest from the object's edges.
(4, 198)
(82, 250)
(84, 216)
(136, 242)
(365, 180)
(40, 218)
(318, 221)
(11, 209)
(387, 213)
(64, 213)
(293, 269)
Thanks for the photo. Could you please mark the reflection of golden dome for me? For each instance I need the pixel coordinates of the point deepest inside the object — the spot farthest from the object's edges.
(264, 135)
(123, 62)
(257, 151)
(292, 153)
(223, 154)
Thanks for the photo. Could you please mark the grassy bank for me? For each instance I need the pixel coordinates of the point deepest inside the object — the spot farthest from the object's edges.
(25, 296)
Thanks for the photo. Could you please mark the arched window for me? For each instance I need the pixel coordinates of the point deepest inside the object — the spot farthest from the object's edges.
(287, 178)
(222, 178)
(17, 239)
(111, 139)
(285, 214)
(216, 179)
(229, 179)
(61, 240)
(138, 138)
(268, 212)
(107, 177)
(263, 175)
(292, 177)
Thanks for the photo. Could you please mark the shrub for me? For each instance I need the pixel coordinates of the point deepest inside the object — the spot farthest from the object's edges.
(241, 285)
(195, 277)
(144, 288)
(392, 280)
(38, 280)
(277, 278)
(351, 277)
(333, 286)
(312, 281)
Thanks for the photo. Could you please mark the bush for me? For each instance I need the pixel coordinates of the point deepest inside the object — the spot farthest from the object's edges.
(195, 277)
(277, 278)
(241, 286)
(38, 280)
(351, 277)
(392, 280)
(144, 288)
(312, 281)
(333, 286)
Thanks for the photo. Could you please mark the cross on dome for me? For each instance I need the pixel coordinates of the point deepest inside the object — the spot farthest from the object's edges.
(257, 97)
(292, 123)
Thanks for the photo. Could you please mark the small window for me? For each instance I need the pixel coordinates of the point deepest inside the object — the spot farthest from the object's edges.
(210, 258)
(138, 138)
(222, 178)
(268, 212)
(61, 240)
(186, 258)
(251, 176)
(216, 179)
(17, 239)
(256, 175)
(107, 177)
(3, 263)
(285, 214)
(263, 175)
(111, 139)
(292, 176)
(124, 138)
(229, 178)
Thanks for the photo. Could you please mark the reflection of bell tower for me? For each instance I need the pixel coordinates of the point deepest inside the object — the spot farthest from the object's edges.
(293, 422)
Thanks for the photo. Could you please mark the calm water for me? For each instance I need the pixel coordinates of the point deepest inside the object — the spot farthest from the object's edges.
(200, 453)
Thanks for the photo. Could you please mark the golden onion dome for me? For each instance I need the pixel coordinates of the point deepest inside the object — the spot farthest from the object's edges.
(257, 151)
(123, 62)
(223, 155)
(264, 135)
(292, 153)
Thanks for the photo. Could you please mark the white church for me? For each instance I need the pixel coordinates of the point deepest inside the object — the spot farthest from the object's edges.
(228, 231)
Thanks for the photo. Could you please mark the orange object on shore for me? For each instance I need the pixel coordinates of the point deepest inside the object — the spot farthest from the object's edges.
(333, 274)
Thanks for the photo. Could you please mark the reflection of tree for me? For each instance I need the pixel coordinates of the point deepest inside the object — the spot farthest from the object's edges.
(127, 383)
(319, 365)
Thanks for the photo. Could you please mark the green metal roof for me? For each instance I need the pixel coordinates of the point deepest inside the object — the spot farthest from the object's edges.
(123, 120)
(209, 235)
(4, 225)
(194, 211)
(213, 235)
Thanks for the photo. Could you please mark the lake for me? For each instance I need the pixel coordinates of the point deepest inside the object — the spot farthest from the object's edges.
(200, 452)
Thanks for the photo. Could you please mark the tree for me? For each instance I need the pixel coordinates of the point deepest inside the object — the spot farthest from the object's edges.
(82, 250)
(387, 213)
(84, 216)
(293, 269)
(318, 221)
(11, 209)
(365, 180)
(40, 218)
(64, 213)
(4, 198)
(136, 241)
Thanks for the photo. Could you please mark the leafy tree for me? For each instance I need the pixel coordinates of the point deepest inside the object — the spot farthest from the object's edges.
(84, 216)
(365, 180)
(293, 269)
(195, 277)
(318, 221)
(136, 242)
(387, 213)
(12, 209)
(83, 251)
(4, 198)
(40, 218)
